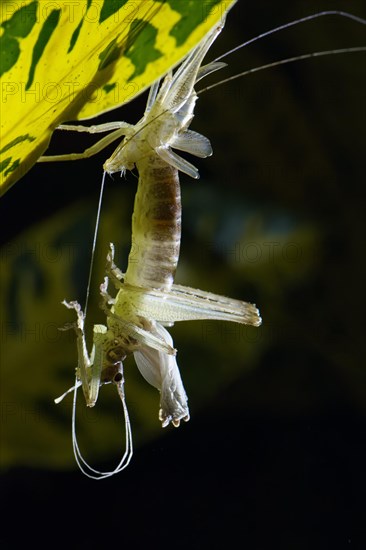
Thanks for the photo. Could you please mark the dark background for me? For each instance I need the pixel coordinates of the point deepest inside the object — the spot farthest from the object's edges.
(276, 457)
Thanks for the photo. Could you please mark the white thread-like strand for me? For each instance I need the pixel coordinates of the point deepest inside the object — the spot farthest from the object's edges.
(88, 470)
(94, 243)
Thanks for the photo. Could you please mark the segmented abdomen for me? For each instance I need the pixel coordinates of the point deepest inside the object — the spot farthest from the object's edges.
(156, 226)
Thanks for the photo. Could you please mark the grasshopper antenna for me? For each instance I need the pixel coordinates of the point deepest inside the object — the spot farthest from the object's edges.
(292, 24)
(289, 59)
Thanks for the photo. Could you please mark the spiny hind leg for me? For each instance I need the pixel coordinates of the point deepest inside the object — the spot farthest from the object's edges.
(93, 150)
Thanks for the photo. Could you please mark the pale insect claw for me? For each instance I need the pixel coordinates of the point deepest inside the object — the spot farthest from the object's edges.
(111, 267)
(116, 277)
(79, 313)
(107, 298)
(165, 420)
(68, 326)
(77, 325)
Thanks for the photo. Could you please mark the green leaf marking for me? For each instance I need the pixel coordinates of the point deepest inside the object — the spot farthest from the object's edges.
(76, 32)
(45, 34)
(21, 22)
(136, 48)
(110, 7)
(19, 25)
(19, 139)
(192, 16)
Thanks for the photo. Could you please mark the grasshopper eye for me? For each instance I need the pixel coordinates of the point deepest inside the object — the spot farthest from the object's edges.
(118, 377)
(112, 373)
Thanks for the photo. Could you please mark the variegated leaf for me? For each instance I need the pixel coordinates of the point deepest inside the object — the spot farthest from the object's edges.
(73, 60)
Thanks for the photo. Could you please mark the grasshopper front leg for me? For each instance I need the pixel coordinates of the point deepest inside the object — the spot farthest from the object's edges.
(89, 368)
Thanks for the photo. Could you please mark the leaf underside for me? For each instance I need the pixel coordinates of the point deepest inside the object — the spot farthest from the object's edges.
(67, 61)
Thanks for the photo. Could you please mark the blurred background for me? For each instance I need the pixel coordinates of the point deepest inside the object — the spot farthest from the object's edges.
(274, 454)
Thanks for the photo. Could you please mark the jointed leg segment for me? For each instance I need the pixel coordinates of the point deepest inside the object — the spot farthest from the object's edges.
(122, 127)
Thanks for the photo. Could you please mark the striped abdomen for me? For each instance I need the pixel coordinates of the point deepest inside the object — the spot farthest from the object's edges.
(156, 226)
